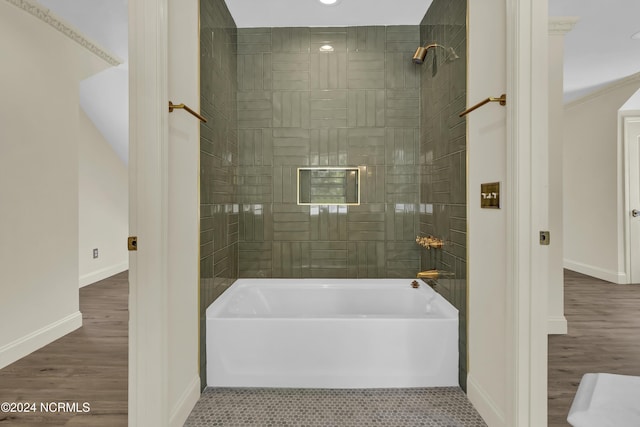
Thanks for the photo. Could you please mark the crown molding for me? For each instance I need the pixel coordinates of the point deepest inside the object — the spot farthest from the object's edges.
(74, 34)
(561, 25)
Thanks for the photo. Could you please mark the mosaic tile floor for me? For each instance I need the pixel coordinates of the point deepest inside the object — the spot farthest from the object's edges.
(244, 407)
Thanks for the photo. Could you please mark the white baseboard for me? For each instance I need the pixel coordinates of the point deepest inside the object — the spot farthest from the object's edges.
(483, 403)
(185, 404)
(599, 273)
(29, 343)
(557, 325)
(103, 273)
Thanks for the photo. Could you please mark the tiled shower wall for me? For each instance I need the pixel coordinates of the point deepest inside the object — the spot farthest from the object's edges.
(443, 196)
(218, 158)
(275, 103)
(355, 106)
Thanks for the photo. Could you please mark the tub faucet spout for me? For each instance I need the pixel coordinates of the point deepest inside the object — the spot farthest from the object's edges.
(430, 277)
(435, 274)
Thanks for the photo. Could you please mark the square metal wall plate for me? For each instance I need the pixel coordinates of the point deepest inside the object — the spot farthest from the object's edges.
(490, 195)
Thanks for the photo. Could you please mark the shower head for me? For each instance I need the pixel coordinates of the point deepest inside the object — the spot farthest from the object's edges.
(421, 53)
(418, 57)
(452, 55)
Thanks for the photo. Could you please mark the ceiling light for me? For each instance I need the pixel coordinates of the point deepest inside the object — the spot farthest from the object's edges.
(326, 48)
(329, 2)
(636, 36)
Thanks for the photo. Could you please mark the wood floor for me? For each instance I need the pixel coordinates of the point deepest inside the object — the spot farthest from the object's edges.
(604, 336)
(87, 365)
(90, 364)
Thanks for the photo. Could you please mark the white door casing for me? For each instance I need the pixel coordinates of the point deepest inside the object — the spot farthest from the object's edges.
(528, 195)
(631, 129)
(148, 189)
(164, 384)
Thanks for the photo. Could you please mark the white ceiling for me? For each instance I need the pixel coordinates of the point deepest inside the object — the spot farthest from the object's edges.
(312, 13)
(598, 51)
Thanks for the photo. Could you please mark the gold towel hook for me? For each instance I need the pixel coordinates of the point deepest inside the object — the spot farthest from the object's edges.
(502, 100)
(184, 107)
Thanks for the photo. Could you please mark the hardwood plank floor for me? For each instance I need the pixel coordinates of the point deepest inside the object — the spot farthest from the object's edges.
(87, 365)
(604, 336)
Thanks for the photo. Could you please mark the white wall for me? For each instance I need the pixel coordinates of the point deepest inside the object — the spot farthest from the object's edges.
(632, 105)
(39, 77)
(486, 137)
(184, 163)
(593, 203)
(103, 206)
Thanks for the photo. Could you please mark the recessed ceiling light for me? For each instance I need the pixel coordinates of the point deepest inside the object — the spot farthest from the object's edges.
(329, 2)
(636, 36)
(326, 48)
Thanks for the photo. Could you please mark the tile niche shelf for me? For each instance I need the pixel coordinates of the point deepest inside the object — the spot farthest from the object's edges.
(329, 186)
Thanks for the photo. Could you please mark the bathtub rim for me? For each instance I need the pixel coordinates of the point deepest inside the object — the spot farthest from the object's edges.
(213, 310)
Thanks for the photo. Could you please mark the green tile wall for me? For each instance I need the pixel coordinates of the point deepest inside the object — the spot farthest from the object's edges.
(219, 210)
(356, 106)
(275, 103)
(443, 210)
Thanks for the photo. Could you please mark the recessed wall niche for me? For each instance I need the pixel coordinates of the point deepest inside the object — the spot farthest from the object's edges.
(329, 186)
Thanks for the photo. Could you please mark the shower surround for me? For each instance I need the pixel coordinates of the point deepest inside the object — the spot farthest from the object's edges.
(275, 102)
(443, 156)
(357, 105)
(218, 159)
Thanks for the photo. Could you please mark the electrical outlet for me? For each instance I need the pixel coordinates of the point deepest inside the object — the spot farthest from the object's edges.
(95, 253)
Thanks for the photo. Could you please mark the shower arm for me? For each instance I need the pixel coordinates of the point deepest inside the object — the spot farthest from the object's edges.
(502, 100)
(173, 106)
(429, 46)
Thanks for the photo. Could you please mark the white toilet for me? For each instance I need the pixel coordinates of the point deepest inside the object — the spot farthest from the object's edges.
(606, 400)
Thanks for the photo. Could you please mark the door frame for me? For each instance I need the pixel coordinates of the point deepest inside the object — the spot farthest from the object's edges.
(631, 171)
(527, 211)
(148, 213)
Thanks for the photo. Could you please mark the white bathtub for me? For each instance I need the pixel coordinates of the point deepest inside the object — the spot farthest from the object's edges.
(331, 333)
